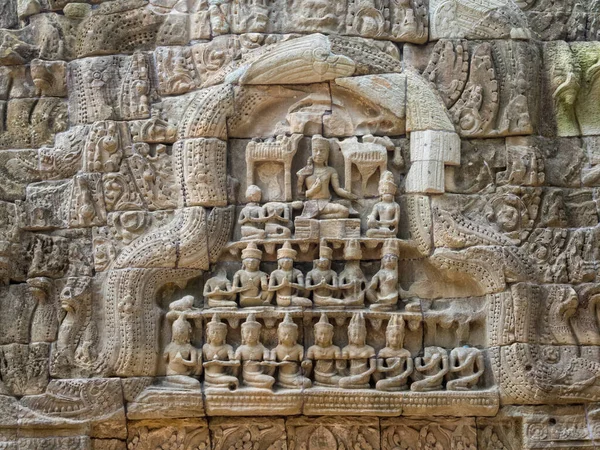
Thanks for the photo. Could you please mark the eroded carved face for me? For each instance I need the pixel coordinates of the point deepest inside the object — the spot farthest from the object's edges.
(287, 335)
(507, 218)
(357, 335)
(251, 264)
(250, 335)
(323, 263)
(217, 335)
(395, 338)
(286, 263)
(389, 262)
(180, 335)
(253, 194)
(320, 152)
(323, 336)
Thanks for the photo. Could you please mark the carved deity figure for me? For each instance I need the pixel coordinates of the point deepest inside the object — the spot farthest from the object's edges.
(430, 370)
(394, 361)
(429, 440)
(382, 291)
(85, 204)
(314, 181)
(567, 88)
(323, 356)
(75, 301)
(44, 324)
(359, 355)
(250, 282)
(383, 220)
(219, 291)
(286, 282)
(277, 220)
(466, 363)
(218, 11)
(352, 281)
(220, 365)
(140, 86)
(103, 147)
(182, 358)
(252, 216)
(322, 280)
(289, 355)
(257, 369)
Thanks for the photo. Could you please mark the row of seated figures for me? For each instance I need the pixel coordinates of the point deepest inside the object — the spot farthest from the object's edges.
(320, 214)
(321, 287)
(288, 366)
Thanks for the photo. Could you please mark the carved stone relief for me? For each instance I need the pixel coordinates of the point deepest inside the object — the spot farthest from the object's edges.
(299, 224)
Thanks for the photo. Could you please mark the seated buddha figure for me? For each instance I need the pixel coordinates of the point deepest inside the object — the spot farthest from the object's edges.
(255, 357)
(315, 181)
(220, 365)
(252, 216)
(394, 362)
(322, 281)
(289, 355)
(359, 355)
(323, 357)
(383, 220)
(352, 281)
(219, 292)
(286, 282)
(182, 358)
(430, 370)
(250, 282)
(467, 367)
(382, 291)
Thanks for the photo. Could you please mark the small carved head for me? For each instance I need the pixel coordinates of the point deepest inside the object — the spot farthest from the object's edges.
(286, 256)
(395, 332)
(253, 194)
(182, 330)
(323, 331)
(251, 330)
(216, 331)
(251, 257)
(357, 330)
(320, 149)
(287, 332)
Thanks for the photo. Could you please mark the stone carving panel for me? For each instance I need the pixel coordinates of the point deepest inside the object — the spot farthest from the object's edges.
(299, 224)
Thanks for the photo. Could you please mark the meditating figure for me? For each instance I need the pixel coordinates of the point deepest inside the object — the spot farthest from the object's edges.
(352, 281)
(360, 356)
(382, 291)
(323, 356)
(278, 220)
(394, 361)
(383, 220)
(322, 281)
(182, 358)
(257, 370)
(220, 366)
(289, 355)
(466, 364)
(252, 216)
(314, 181)
(251, 283)
(286, 282)
(430, 370)
(219, 292)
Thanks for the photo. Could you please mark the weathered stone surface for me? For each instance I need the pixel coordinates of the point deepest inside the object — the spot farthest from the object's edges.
(299, 224)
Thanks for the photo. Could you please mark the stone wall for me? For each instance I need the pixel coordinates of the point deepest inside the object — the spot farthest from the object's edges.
(311, 224)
